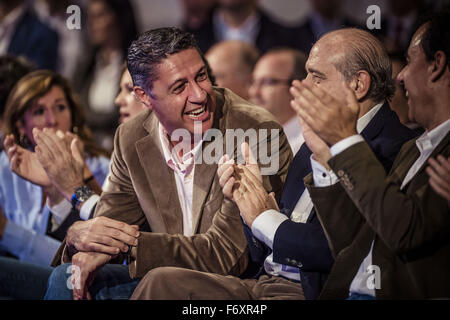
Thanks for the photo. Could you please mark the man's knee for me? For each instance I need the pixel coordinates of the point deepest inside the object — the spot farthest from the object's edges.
(159, 282)
(60, 283)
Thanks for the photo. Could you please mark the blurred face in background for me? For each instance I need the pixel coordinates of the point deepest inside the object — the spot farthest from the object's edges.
(128, 105)
(102, 24)
(49, 111)
(271, 82)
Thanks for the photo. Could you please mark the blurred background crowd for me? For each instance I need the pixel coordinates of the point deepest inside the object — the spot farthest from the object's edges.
(91, 58)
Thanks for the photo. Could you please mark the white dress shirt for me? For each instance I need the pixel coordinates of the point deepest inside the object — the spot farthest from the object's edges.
(426, 143)
(294, 135)
(184, 176)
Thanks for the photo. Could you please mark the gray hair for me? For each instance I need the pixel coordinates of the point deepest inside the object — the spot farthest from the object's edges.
(365, 52)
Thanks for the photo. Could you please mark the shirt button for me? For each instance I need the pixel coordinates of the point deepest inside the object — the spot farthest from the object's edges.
(324, 175)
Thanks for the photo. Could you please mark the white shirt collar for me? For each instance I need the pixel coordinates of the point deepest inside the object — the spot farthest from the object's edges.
(362, 122)
(430, 140)
(172, 159)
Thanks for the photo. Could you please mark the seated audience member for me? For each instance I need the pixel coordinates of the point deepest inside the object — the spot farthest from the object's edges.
(325, 16)
(390, 232)
(40, 100)
(272, 77)
(232, 63)
(23, 34)
(196, 13)
(11, 70)
(72, 47)
(439, 172)
(288, 242)
(243, 20)
(111, 27)
(156, 184)
(63, 176)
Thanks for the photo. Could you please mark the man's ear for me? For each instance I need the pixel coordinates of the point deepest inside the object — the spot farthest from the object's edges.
(361, 84)
(142, 96)
(438, 65)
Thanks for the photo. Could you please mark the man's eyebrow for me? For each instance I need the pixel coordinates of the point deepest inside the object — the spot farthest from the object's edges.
(311, 70)
(182, 80)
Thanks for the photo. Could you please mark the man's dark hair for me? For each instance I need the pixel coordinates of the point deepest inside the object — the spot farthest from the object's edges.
(436, 36)
(151, 48)
(11, 70)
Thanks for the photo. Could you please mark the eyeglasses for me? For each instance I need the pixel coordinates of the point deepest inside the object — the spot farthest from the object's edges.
(270, 82)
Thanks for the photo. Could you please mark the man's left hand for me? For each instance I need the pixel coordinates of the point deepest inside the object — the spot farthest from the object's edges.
(251, 197)
(84, 268)
(330, 119)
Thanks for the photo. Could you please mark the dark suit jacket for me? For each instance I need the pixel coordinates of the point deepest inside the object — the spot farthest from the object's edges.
(304, 245)
(305, 38)
(410, 227)
(142, 191)
(271, 34)
(36, 41)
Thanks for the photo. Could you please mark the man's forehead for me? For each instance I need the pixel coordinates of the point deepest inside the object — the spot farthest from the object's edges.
(182, 61)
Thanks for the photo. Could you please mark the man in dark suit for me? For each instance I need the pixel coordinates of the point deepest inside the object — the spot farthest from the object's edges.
(25, 35)
(389, 233)
(243, 20)
(289, 245)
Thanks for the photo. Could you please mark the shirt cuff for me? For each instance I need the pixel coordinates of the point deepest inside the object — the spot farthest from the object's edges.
(87, 206)
(321, 176)
(60, 211)
(345, 144)
(266, 224)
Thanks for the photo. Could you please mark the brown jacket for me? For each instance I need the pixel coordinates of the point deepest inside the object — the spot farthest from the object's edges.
(142, 190)
(410, 227)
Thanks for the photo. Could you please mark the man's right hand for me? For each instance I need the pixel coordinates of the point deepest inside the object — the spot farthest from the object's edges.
(103, 235)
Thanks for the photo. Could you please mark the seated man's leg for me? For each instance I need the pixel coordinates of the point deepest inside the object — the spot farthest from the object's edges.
(22, 280)
(112, 281)
(170, 283)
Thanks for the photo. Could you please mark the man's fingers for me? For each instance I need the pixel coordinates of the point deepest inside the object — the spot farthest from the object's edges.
(437, 179)
(119, 225)
(444, 163)
(248, 154)
(75, 149)
(226, 175)
(227, 189)
(437, 167)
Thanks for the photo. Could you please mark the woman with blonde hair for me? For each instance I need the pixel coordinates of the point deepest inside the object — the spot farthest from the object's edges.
(42, 100)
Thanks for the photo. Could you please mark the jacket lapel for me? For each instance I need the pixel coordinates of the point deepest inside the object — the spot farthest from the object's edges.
(161, 178)
(205, 173)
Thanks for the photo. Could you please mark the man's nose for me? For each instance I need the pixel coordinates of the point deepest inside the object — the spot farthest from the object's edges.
(196, 93)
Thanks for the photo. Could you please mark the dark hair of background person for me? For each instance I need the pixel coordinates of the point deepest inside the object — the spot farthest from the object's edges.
(124, 12)
(11, 70)
(32, 87)
(437, 35)
(152, 47)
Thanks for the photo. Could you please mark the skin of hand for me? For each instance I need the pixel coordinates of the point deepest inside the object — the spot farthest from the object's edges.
(61, 159)
(84, 270)
(439, 172)
(25, 163)
(330, 119)
(242, 183)
(102, 235)
(251, 197)
(320, 150)
(226, 170)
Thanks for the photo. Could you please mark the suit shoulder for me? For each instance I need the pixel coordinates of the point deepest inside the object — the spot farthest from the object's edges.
(133, 129)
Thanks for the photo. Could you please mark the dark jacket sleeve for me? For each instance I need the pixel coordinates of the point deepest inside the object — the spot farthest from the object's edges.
(302, 245)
